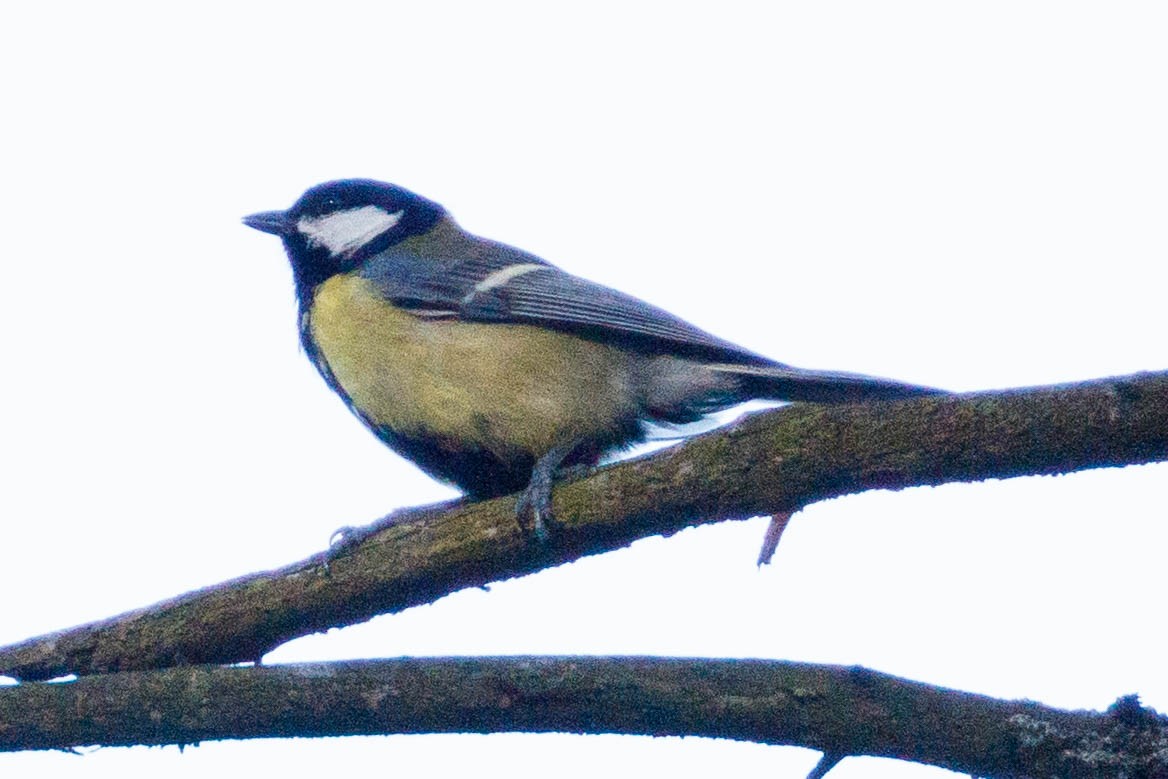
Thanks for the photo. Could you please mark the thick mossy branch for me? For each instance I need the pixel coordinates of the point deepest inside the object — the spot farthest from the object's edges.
(767, 464)
(842, 711)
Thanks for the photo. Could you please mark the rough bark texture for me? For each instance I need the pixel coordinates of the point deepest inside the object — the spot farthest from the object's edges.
(841, 711)
(768, 464)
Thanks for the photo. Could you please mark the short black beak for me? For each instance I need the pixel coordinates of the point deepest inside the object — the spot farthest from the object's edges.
(274, 222)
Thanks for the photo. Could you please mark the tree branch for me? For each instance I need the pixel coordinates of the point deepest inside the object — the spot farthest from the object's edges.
(838, 710)
(767, 464)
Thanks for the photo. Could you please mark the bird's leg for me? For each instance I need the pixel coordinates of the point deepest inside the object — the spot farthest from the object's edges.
(535, 502)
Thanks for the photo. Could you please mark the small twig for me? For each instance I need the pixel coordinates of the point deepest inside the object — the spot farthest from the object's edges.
(828, 761)
(774, 533)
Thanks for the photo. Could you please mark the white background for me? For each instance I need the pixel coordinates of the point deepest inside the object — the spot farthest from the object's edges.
(965, 195)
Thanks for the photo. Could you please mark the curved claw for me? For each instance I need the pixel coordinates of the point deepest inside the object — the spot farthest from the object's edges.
(342, 536)
(341, 540)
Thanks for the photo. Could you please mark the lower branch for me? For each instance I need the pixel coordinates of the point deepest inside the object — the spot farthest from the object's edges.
(838, 710)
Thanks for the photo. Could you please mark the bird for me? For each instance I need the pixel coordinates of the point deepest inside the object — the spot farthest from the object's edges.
(492, 369)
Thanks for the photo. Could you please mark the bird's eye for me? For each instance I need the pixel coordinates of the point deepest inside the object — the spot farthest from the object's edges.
(331, 204)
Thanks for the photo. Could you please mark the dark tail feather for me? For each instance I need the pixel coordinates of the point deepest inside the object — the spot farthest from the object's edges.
(781, 382)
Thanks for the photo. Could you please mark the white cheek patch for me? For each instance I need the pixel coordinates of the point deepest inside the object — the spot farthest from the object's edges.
(344, 232)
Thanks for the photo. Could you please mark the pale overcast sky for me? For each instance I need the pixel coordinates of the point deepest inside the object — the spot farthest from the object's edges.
(965, 195)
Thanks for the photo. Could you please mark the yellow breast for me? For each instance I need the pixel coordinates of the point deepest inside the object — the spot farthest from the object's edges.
(503, 388)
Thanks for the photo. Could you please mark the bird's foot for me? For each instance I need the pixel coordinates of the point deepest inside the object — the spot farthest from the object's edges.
(533, 511)
(534, 508)
(346, 538)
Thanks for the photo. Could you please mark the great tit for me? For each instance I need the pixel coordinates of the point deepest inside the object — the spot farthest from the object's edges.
(491, 368)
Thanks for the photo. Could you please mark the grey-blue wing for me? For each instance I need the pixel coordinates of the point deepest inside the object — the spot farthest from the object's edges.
(497, 283)
(549, 297)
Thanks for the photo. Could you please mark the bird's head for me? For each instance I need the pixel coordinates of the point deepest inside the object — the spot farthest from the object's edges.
(335, 226)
